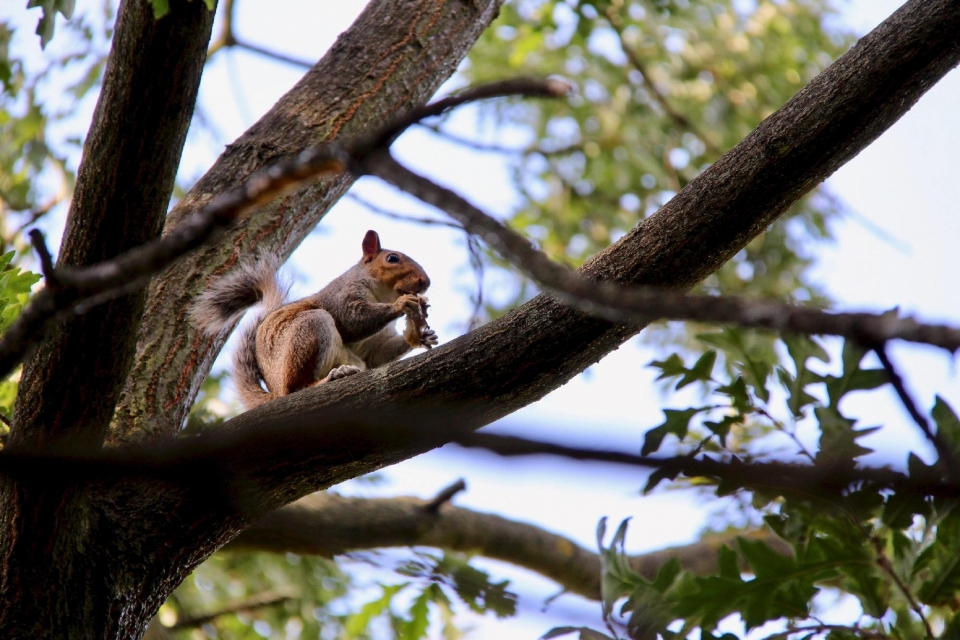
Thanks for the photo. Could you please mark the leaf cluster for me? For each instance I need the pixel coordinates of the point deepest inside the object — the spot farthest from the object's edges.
(663, 89)
(893, 550)
(309, 585)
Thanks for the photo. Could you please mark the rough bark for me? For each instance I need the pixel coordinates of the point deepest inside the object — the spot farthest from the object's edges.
(130, 159)
(381, 66)
(328, 525)
(50, 585)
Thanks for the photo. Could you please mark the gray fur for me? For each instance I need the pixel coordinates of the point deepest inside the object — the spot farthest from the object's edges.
(223, 304)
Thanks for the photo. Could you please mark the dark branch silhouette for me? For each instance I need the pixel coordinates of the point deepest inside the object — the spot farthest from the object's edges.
(943, 447)
(632, 304)
(109, 279)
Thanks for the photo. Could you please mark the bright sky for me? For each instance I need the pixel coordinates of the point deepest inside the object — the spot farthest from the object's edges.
(906, 187)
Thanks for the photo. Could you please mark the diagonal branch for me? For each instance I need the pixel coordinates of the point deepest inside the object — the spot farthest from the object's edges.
(946, 452)
(68, 288)
(628, 304)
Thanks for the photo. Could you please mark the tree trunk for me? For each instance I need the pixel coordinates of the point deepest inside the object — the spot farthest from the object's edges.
(57, 579)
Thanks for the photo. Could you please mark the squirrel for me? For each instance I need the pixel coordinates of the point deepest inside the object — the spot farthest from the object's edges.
(343, 329)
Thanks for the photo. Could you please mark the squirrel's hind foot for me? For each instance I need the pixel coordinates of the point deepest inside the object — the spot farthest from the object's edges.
(342, 371)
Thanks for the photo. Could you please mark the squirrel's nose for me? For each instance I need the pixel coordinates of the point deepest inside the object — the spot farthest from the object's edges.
(424, 282)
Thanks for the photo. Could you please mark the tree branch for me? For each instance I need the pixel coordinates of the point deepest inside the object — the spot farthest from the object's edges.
(327, 524)
(73, 290)
(644, 304)
(784, 477)
(946, 452)
(250, 603)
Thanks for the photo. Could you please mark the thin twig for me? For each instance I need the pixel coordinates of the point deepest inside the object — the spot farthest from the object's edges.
(403, 217)
(640, 304)
(252, 603)
(790, 478)
(885, 565)
(445, 496)
(46, 260)
(526, 87)
(944, 450)
(274, 55)
(496, 148)
(228, 38)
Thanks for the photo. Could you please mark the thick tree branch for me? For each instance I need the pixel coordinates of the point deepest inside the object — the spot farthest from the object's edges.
(230, 467)
(378, 68)
(328, 524)
(69, 387)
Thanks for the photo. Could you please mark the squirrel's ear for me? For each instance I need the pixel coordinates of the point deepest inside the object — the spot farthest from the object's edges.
(371, 245)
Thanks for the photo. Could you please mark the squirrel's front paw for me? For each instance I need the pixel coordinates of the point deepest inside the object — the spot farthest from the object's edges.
(428, 338)
(342, 371)
(408, 304)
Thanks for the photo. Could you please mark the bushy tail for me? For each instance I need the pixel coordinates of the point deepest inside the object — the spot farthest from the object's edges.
(223, 304)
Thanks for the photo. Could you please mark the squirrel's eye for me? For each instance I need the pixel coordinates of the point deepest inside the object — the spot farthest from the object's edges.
(393, 258)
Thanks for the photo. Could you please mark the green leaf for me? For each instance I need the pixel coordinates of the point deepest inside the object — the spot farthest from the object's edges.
(586, 633)
(48, 17)
(801, 349)
(618, 579)
(160, 8)
(359, 621)
(901, 507)
(722, 429)
(671, 367)
(754, 365)
(739, 397)
(415, 627)
(938, 567)
(659, 476)
(677, 422)
(948, 425)
(701, 371)
(838, 438)
(853, 377)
